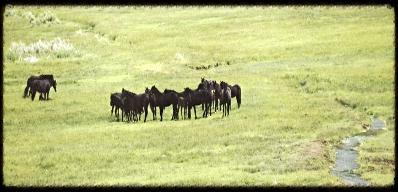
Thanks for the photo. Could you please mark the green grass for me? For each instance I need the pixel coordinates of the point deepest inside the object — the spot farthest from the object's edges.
(309, 75)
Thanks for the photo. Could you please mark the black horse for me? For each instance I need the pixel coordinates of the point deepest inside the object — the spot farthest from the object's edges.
(215, 90)
(217, 95)
(181, 105)
(152, 102)
(225, 100)
(163, 100)
(134, 105)
(30, 80)
(127, 104)
(235, 92)
(42, 86)
(198, 97)
(116, 103)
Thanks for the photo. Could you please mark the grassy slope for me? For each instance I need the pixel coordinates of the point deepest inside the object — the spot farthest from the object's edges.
(341, 52)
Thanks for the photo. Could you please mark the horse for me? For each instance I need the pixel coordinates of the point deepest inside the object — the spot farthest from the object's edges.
(116, 103)
(225, 100)
(141, 102)
(42, 86)
(163, 100)
(212, 86)
(217, 95)
(152, 102)
(135, 104)
(30, 80)
(198, 97)
(182, 103)
(128, 104)
(235, 92)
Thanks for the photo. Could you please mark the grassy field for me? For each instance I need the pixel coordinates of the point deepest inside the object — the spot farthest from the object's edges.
(310, 76)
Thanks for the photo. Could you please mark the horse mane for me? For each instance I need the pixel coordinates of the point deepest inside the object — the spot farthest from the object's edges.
(169, 91)
(201, 86)
(124, 91)
(155, 90)
(47, 76)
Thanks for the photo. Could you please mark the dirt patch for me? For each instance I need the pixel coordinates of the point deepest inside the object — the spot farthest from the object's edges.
(314, 149)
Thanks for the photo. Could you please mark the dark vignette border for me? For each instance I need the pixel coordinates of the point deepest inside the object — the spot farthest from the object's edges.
(389, 3)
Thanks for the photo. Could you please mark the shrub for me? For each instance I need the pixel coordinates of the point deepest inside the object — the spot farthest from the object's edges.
(57, 47)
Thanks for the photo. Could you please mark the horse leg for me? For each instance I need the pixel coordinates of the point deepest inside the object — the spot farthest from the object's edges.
(154, 113)
(33, 94)
(161, 113)
(204, 110)
(229, 104)
(112, 111)
(194, 109)
(189, 111)
(210, 107)
(177, 115)
(238, 98)
(180, 111)
(146, 112)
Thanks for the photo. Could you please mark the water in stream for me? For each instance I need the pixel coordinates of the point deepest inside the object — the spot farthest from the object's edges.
(346, 155)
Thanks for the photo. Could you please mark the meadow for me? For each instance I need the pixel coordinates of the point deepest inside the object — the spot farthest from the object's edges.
(310, 77)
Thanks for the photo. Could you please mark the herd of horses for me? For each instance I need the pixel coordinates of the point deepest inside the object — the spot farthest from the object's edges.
(209, 94)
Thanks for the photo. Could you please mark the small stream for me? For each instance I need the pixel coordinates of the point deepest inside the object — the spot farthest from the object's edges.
(346, 155)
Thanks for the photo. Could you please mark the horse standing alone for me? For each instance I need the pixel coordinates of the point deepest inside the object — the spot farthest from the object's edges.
(42, 86)
(29, 82)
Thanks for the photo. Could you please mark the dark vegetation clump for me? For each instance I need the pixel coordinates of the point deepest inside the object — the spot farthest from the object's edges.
(206, 67)
(346, 103)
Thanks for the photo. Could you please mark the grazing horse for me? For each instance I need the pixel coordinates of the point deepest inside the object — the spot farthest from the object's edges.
(30, 80)
(116, 103)
(197, 97)
(182, 103)
(43, 87)
(163, 100)
(225, 100)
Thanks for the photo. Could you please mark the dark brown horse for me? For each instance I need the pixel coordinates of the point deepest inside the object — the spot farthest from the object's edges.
(43, 87)
(30, 80)
(135, 104)
(215, 89)
(225, 100)
(116, 103)
(128, 104)
(198, 97)
(182, 103)
(235, 92)
(163, 100)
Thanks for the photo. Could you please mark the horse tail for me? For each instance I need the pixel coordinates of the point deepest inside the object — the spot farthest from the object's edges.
(238, 96)
(25, 93)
